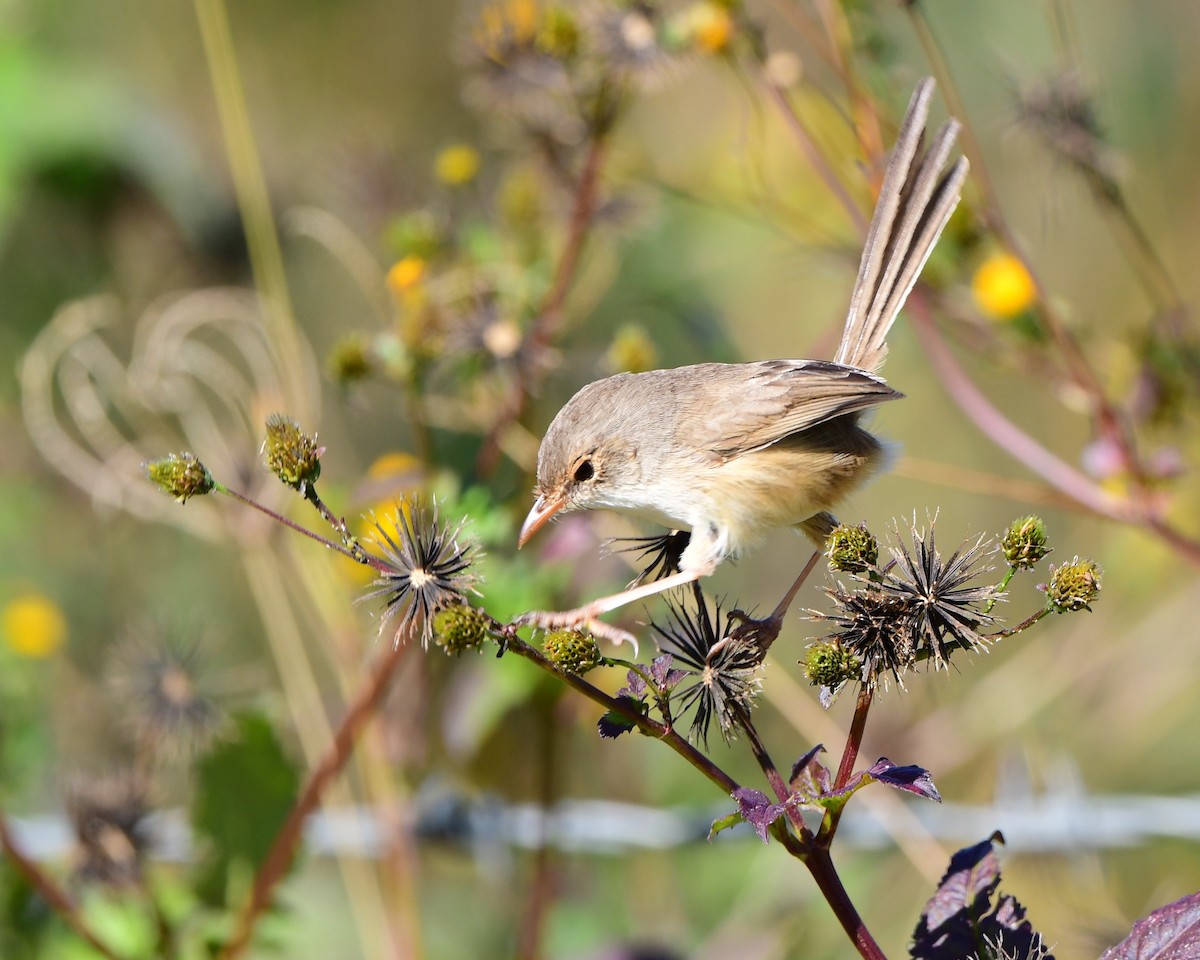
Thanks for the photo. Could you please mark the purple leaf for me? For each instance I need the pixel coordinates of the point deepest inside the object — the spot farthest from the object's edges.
(960, 915)
(757, 810)
(1169, 933)
(635, 685)
(660, 666)
(614, 723)
(910, 778)
(809, 776)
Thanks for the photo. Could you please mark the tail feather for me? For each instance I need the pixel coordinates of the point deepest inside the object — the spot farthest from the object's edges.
(913, 207)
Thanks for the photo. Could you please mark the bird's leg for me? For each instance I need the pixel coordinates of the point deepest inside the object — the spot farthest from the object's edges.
(588, 616)
(765, 631)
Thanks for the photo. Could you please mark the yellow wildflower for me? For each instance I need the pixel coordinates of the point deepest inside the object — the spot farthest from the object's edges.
(1003, 287)
(713, 27)
(456, 165)
(33, 626)
(406, 274)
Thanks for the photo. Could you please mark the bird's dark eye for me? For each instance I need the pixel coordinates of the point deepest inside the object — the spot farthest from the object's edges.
(584, 472)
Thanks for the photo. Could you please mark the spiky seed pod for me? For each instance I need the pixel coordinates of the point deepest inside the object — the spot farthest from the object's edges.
(1024, 543)
(292, 455)
(459, 628)
(829, 664)
(572, 651)
(852, 549)
(1073, 586)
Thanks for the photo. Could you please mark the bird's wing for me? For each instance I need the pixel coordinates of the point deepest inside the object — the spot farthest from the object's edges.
(777, 398)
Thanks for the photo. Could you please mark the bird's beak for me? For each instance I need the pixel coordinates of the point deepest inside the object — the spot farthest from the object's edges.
(543, 510)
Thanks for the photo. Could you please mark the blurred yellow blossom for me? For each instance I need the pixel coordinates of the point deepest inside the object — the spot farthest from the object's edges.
(456, 165)
(1003, 287)
(33, 626)
(712, 27)
(406, 274)
(632, 350)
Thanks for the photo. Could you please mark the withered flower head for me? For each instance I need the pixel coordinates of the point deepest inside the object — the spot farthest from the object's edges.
(108, 818)
(875, 627)
(659, 555)
(945, 602)
(292, 455)
(1061, 113)
(631, 40)
(182, 475)
(726, 669)
(158, 687)
(428, 567)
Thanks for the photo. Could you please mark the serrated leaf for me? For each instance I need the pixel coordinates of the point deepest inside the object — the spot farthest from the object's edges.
(613, 724)
(960, 918)
(245, 787)
(912, 779)
(1169, 933)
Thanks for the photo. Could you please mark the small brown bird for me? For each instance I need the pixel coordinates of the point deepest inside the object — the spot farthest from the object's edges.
(733, 451)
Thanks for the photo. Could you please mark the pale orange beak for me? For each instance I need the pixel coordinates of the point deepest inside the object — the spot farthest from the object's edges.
(541, 512)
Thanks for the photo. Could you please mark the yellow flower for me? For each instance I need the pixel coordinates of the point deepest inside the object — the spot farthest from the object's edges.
(456, 165)
(1003, 287)
(406, 274)
(713, 27)
(33, 626)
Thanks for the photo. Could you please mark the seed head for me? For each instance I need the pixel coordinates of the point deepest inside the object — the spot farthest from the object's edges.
(829, 664)
(852, 549)
(292, 455)
(459, 628)
(1073, 586)
(1024, 543)
(572, 651)
(182, 475)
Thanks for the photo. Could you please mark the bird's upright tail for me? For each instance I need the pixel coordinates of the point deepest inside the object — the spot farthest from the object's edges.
(913, 207)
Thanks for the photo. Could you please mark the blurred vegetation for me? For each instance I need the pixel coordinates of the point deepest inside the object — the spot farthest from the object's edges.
(420, 249)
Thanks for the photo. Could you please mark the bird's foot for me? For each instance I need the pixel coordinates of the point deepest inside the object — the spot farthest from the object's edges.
(583, 618)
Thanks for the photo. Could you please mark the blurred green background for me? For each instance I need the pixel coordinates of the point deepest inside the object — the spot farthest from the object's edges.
(115, 181)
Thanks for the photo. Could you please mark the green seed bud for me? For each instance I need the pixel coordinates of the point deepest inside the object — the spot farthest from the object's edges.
(852, 549)
(182, 475)
(291, 455)
(460, 628)
(827, 664)
(1024, 543)
(572, 651)
(349, 360)
(1073, 586)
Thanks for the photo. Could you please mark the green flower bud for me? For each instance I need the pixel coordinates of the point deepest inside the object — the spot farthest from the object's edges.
(1073, 586)
(349, 360)
(572, 651)
(852, 549)
(182, 475)
(828, 664)
(1024, 543)
(459, 628)
(291, 455)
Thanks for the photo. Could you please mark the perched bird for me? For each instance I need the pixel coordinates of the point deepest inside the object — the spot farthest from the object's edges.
(730, 452)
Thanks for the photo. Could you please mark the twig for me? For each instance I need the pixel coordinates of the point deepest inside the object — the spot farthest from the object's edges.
(854, 739)
(646, 724)
(548, 323)
(358, 714)
(51, 892)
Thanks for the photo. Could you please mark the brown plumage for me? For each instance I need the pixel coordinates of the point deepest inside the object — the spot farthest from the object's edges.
(732, 451)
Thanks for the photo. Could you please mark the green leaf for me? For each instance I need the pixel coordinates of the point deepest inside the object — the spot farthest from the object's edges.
(246, 787)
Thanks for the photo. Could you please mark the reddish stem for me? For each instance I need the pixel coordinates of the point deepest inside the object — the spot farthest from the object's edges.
(359, 712)
(51, 892)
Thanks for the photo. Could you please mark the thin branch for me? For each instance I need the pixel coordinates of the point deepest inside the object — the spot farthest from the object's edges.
(854, 739)
(548, 323)
(647, 725)
(51, 892)
(359, 713)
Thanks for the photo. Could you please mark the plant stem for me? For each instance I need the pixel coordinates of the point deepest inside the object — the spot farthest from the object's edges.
(820, 865)
(359, 713)
(854, 739)
(51, 892)
(644, 723)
